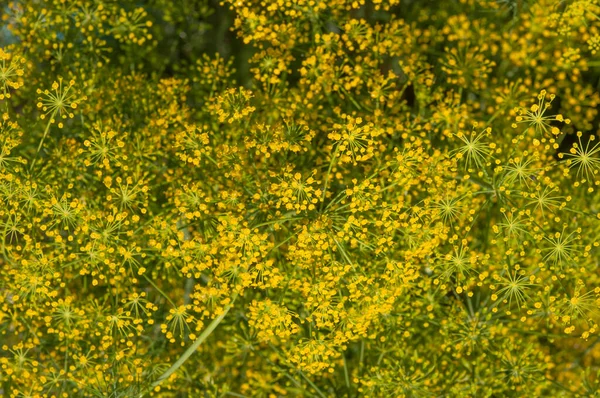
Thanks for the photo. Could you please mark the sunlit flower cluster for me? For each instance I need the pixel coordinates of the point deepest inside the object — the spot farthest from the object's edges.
(362, 198)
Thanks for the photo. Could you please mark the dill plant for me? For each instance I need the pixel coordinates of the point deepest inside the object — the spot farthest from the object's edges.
(358, 198)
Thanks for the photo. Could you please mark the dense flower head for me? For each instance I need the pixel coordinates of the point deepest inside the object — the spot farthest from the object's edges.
(299, 198)
(11, 72)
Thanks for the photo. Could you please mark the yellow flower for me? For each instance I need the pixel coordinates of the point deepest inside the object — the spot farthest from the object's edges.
(11, 72)
(60, 102)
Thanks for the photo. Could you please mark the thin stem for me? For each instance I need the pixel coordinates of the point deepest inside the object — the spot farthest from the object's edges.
(189, 286)
(493, 117)
(286, 374)
(264, 224)
(346, 375)
(281, 243)
(159, 290)
(188, 353)
(235, 394)
(211, 159)
(319, 393)
(46, 132)
(4, 251)
(362, 352)
(343, 252)
(327, 176)
(42, 140)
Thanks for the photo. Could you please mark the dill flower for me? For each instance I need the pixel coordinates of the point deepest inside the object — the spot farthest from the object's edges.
(584, 158)
(536, 116)
(11, 72)
(233, 105)
(299, 198)
(271, 321)
(59, 102)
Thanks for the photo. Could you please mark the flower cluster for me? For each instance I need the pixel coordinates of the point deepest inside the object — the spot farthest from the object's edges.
(261, 199)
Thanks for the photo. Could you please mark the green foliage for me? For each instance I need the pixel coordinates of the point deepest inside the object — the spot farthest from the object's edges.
(344, 198)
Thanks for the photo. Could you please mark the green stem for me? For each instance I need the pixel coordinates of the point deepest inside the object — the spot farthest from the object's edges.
(277, 221)
(234, 394)
(343, 252)
(362, 353)
(189, 286)
(188, 353)
(493, 117)
(281, 243)
(327, 176)
(211, 159)
(319, 393)
(159, 290)
(346, 374)
(42, 140)
(4, 251)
